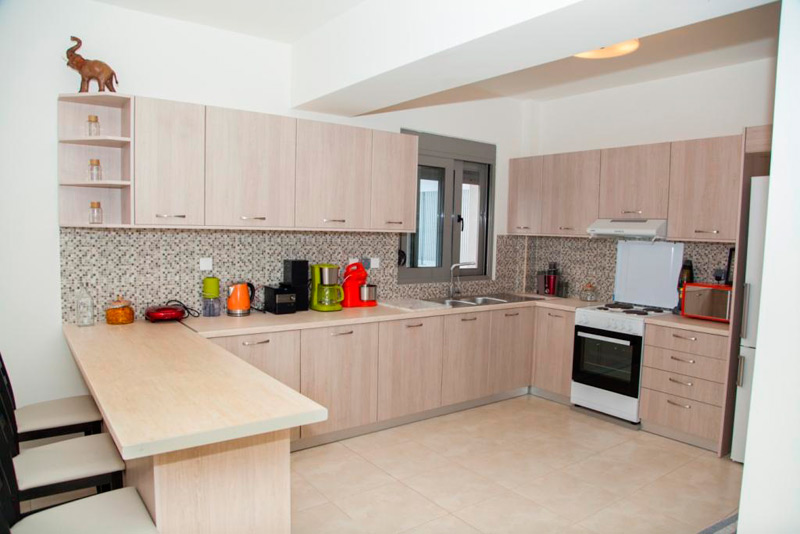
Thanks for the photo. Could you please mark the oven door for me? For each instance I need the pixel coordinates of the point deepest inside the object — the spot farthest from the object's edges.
(607, 360)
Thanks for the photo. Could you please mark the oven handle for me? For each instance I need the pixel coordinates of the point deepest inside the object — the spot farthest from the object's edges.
(604, 338)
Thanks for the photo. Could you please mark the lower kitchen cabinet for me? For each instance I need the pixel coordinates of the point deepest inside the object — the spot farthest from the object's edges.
(277, 354)
(340, 372)
(410, 366)
(552, 361)
(512, 349)
(466, 357)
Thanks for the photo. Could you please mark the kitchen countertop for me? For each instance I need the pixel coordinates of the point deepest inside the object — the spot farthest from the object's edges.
(162, 388)
(686, 323)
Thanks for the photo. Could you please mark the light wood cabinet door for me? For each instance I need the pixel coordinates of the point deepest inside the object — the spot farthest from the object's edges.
(525, 195)
(552, 360)
(704, 184)
(634, 182)
(465, 370)
(250, 161)
(339, 370)
(570, 192)
(334, 176)
(394, 181)
(169, 162)
(410, 366)
(511, 349)
(276, 354)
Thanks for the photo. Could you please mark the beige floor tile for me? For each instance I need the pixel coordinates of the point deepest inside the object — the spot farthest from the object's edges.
(457, 441)
(511, 515)
(390, 508)
(304, 495)
(449, 524)
(567, 495)
(319, 457)
(719, 476)
(510, 469)
(697, 506)
(643, 453)
(670, 444)
(346, 477)
(406, 459)
(630, 518)
(554, 451)
(592, 435)
(324, 519)
(454, 487)
(622, 478)
(377, 440)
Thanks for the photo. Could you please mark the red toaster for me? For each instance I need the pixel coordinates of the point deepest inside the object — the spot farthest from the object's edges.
(155, 314)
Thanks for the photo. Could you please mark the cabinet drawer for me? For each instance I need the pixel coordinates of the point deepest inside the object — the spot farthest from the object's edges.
(685, 386)
(687, 341)
(681, 414)
(686, 364)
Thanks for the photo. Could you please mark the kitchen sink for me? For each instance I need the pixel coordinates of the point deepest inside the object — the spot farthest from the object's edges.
(483, 300)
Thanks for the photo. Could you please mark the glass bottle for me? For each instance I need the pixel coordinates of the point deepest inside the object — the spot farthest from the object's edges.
(95, 171)
(95, 213)
(84, 307)
(92, 126)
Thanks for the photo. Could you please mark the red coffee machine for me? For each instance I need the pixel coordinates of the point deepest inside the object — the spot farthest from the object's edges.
(357, 292)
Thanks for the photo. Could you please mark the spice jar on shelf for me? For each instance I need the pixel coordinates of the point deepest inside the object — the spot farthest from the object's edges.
(589, 293)
(92, 126)
(95, 171)
(119, 311)
(95, 213)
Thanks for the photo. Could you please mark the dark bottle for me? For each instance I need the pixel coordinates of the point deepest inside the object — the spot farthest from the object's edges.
(686, 276)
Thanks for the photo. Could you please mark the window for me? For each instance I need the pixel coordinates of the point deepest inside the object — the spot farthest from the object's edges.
(453, 211)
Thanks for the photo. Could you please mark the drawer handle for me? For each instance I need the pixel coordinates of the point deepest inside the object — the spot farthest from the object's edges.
(512, 314)
(740, 372)
(165, 216)
(523, 227)
(394, 222)
(629, 212)
(555, 315)
(706, 231)
(413, 325)
(679, 382)
(467, 320)
(684, 337)
(681, 359)
(679, 405)
(566, 227)
(335, 220)
(251, 343)
(342, 333)
(246, 218)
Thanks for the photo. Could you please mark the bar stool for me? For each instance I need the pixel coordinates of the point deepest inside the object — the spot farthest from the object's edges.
(57, 417)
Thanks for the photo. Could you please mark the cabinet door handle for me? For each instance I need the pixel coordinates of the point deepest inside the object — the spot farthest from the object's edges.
(566, 227)
(512, 314)
(467, 320)
(335, 220)
(740, 372)
(394, 222)
(745, 309)
(523, 227)
(706, 231)
(681, 359)
(692, 338)
(246, 218)
(414, 325)
(679, 405)
(251, 343)
(555, 315)
(679, 382)
(165, 216)
(342, 333)
(629, 212)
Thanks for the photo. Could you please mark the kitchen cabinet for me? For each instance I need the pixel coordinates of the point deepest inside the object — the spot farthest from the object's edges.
(169, 162)
(334, 176)
(466, 357)
(512, 349)
(340, 371)
(250, 164)
(634, 182)
(704, 187)
(553, 345)
(570, 192)
(394, 182)
(410, 366)
(525, 195)
(276, 354)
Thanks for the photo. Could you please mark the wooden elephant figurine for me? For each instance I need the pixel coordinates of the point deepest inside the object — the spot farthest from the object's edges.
(91, 69)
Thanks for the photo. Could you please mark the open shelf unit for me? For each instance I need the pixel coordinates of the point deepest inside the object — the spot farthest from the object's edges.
(113, 147)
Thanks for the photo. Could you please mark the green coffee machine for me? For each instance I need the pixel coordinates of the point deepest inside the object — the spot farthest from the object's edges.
(326, 293)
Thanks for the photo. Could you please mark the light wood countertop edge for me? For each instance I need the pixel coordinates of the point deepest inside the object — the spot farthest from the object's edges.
(693, 325)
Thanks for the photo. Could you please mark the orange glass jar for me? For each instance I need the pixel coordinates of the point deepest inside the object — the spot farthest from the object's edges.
(119, 311)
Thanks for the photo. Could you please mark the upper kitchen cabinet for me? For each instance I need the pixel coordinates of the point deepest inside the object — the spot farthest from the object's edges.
(705, 179)
(250, 159)
(169, 162)
(634, 182)
(525, 195)
(394, 181)
(334, 171)
(570, 189)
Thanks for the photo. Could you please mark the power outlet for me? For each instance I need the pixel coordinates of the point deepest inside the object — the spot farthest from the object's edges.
(366, 263)
(375, 263)
(206, 264)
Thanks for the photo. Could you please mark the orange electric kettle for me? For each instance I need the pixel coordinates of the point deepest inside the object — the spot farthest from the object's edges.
(240, 296)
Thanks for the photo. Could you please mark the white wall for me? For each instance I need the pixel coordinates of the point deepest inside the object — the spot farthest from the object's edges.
(771, 485)
(704, 104)
(156, 57)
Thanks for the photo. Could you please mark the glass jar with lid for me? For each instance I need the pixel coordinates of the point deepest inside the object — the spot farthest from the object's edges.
(84, 307)
(589, 293)
(95, 213)
(95, 171)
(92, 126)
(119, 311)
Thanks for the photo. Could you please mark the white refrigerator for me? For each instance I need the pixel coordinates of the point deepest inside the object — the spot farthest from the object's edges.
(759, 187)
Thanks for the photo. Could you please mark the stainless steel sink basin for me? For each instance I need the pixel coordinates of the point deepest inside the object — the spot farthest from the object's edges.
(483, 300)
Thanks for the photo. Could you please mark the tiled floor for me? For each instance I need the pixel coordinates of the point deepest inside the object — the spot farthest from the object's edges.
(518, 466)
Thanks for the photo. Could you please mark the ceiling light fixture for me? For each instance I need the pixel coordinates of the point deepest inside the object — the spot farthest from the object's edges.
(615, 50)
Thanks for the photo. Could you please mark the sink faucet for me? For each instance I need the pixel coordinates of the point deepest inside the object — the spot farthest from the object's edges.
(454, 289)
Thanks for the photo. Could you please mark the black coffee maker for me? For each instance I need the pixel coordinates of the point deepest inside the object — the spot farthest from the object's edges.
(295, 277)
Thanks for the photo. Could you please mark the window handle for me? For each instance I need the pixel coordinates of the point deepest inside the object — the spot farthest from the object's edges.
(460, 220)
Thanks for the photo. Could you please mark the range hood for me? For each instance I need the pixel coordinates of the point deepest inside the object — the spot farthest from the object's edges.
(629, 228)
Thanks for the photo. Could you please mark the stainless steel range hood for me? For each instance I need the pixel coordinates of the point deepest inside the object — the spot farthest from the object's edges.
(629, 228)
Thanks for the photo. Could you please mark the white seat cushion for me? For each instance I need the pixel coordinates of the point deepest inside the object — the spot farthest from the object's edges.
(57, 413)
(117, 512)
(71, 459)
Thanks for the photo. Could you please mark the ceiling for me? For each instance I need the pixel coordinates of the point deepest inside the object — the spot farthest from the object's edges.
(737, 38)
(278, 20)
